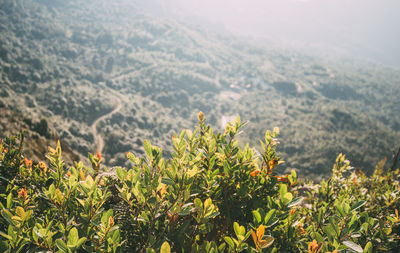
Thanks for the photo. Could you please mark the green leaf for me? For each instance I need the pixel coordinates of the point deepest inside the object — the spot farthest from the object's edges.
(274, 250)
(247, 235)
(165, 248)
(167, 181)
(9, 200)
(116, 237)
(197, 203)
(61, 246)
(236, 227)
(6, 236)
(35, 231)
(121, 173)
(318, 237)
(257, 216)
(287, 198)
(295, 202)
(91, 160)
(230, 242)
(330, 231)
(282, 190)
(211, 215)
(80, 242)
(294, 174)
(340, 209)
(334, 225)
(368, 248)
(8, 216)
(4, 246)
(35, 235)
(105, 216)
(269, 217)
(148, 149)
(73, 237)
(221, 248)
(354, 218)
(357, 205)
(131, 157)
(353, 246)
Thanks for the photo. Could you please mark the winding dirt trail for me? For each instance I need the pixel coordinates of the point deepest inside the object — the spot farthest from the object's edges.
(97, 136)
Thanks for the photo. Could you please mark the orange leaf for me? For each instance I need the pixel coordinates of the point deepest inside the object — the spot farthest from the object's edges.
(254, 173)
(260, 232)
(311, 246)
(283, 178)
(22, 193)
(254, 238)
(272, 164)
(314, 247)
(28, 163)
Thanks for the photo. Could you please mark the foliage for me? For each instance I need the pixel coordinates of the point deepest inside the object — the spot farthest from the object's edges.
(211, 195)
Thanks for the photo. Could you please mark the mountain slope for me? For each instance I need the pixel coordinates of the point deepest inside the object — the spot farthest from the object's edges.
(75, 62)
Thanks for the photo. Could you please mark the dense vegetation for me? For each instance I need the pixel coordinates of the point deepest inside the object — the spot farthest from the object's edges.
(211, 195)
(86, 69)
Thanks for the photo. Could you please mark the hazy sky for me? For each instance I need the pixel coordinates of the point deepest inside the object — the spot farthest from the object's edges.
(364, 28)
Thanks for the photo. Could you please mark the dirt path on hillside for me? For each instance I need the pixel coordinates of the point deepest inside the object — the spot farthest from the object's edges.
(97, 136)
(129, 73)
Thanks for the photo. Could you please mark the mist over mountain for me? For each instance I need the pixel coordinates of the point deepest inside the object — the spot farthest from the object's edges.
(106, 75)
(363, 29)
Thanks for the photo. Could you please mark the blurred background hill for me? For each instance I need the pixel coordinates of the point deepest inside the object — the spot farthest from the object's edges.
(118, 72)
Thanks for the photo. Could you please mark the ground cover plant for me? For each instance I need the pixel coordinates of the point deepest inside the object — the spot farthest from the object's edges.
(210, 195)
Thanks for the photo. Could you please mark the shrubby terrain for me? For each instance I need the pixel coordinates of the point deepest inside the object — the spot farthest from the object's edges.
(106, 72)
(211, 195)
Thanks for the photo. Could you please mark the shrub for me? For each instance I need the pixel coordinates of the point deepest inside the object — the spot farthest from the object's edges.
(211, 195)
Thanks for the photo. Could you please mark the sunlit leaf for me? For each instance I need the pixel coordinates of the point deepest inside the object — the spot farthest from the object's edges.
(358, 205)
(165, 248)
(61, 245)
(353, 246)
(295, 202)
(230, 242)
(267, 242)
(260, 232)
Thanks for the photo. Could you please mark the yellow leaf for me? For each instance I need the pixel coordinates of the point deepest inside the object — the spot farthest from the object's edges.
(59, 195)
(110, 221)
(192, 172)
(89, 181)
(20, 212)
(82, 175)
(16, 218)
(165, 248)
(51, 150)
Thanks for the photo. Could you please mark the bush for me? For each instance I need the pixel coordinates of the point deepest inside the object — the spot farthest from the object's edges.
(210, 196)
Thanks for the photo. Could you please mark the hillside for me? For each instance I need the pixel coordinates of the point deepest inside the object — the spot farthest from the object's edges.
(106, 72)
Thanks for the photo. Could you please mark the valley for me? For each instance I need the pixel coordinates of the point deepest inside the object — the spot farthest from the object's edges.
(106, 78)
